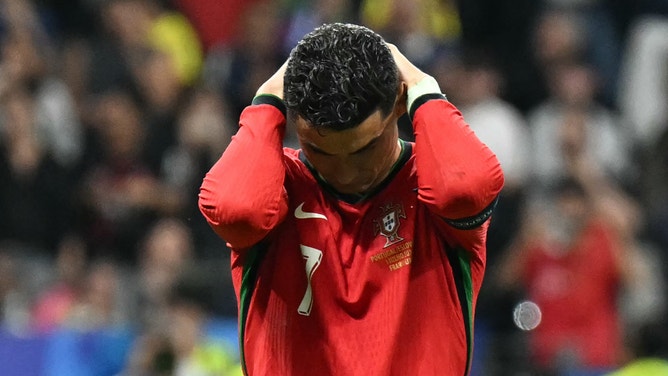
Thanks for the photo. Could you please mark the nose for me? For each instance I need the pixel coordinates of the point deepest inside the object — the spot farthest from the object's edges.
(344, 173)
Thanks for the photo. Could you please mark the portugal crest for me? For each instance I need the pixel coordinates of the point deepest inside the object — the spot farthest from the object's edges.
(388, 223)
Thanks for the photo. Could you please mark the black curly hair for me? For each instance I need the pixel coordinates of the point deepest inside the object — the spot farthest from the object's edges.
(338, 75)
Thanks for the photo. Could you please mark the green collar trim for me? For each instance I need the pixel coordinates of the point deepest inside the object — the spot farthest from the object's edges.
(406, 152)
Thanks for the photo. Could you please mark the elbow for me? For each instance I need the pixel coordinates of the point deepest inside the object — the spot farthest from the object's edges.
(495, 181)
(467, 195)
(483, 199)
(239, 224)
(480, 191)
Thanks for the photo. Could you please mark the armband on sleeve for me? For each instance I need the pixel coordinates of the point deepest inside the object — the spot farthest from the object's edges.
(470, 223)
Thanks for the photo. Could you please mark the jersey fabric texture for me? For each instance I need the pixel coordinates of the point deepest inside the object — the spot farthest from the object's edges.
(380, 284)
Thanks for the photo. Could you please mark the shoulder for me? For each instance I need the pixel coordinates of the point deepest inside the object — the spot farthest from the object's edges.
(290, 153)
(292, 159)
(295, 167)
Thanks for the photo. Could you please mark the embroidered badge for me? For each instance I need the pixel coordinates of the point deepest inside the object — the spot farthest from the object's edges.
(388, 223)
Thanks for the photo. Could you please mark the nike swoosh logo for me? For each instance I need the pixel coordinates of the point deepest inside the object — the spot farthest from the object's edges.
(301, 214)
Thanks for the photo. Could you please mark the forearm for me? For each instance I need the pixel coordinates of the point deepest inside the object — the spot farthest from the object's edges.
(459, 177)
(242, 196)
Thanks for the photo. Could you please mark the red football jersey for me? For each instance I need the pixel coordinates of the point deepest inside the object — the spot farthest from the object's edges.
(383, 284)
(570, 285)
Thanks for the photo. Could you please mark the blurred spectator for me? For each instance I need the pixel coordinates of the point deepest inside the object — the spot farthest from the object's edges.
(574, 257)
(120, 36)
(182, 346)
(570, 263)
(252, 57)
(74, 67)
(8, 280)
(161, 95)
(35, 195)
(166, 249)
(558, 38)
(121, 196)
(104, 300)
(26, 276)
(172, 34)
(572, 100)
(130, 27)
(26, 65)
(217, 22)
(644, 79)
(150, 354)
(12, 304)
(419, 27)
(653, 180)
(96, 336)
(306, 16)
(55, 304)
(590, 23)
(505, 29)
(67, 19)
(189, 311)
(643, 294)
(26, 55)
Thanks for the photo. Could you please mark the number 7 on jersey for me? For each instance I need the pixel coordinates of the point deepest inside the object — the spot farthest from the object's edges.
(312, 257)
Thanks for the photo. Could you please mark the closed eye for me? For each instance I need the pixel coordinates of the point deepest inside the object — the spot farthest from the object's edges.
(361, 150)
(317, 150)
(368, 147)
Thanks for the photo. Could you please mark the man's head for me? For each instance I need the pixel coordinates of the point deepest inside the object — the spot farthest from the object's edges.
(338, 75)
(343, 95)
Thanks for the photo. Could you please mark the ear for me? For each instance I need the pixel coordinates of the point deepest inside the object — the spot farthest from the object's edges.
(402, 98)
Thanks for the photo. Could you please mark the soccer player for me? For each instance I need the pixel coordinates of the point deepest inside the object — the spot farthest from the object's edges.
(360, 253)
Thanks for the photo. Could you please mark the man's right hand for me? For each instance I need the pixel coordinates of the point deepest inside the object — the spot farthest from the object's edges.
(274, 85)
(408, 73)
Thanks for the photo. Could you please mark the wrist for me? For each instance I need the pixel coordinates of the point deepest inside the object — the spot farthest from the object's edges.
(270, 89)
(427, 85)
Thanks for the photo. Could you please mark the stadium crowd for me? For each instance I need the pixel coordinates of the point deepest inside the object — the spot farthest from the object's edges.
(111, 112)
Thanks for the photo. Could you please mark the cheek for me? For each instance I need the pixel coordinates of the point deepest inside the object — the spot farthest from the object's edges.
(320, 163)
(373, 162)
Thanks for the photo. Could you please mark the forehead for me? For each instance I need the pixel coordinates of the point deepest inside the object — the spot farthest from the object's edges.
(345, 141)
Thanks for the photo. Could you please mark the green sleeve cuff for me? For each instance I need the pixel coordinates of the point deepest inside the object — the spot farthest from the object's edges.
(271, 100)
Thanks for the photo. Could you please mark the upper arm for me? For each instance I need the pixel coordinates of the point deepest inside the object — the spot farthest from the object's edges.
(459, 177)
(243, 196)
